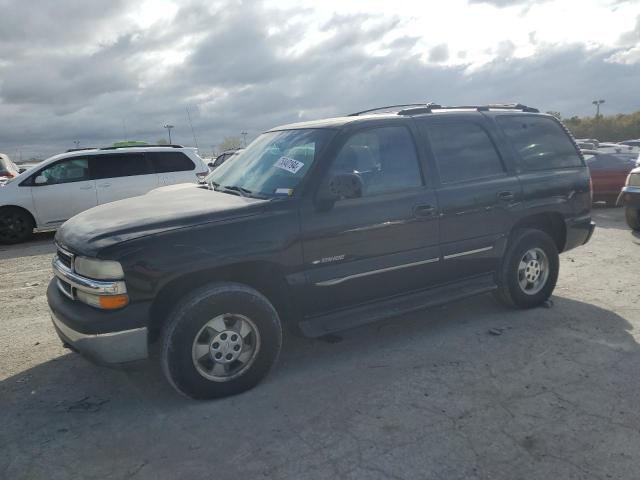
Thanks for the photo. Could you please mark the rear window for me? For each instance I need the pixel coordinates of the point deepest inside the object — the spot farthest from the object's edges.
(118, 165)
(164, 162)
(540, 142)
(463, 151)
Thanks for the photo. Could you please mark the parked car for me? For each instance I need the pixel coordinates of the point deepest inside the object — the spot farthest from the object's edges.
(608, 173)
(630, 199)
(633, 143)
(322, 226)
(223, 157)
(8, 169)
(46, 196)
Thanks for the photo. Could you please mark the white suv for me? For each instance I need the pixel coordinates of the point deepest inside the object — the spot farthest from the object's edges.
(64, 185)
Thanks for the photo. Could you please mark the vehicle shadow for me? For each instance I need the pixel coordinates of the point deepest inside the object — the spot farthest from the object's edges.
(484, 381)
(41, 243)
(609, 217)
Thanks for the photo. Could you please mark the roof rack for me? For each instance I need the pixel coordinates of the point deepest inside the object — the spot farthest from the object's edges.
(393, 108)
(481, 108)
(142, 146)
(80, 149)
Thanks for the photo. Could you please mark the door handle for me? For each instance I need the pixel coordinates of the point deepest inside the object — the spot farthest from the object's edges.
(506, 195)
(424, 210)
(86, 187)
(104, 185)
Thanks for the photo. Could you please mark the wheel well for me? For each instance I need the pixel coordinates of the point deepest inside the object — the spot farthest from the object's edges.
(15, 207)
(550, 222)
(265, 277)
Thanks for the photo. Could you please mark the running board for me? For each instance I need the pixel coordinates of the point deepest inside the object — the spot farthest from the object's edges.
(320, 325)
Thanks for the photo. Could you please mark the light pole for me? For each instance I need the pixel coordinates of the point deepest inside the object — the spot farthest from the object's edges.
(244, 137)
(168, 127)
(597, 103)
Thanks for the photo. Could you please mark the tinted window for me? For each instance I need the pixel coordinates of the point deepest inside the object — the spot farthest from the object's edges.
(66, 171)
(119, 165)
(541, 142)
(463, 151)
(221, 159)
(608, 162)
(384, 158)
(170, 162)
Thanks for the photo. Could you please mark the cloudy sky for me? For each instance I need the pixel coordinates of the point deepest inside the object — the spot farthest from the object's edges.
(102, 71)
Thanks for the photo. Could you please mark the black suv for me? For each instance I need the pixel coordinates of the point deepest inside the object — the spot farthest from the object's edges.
(322, 226)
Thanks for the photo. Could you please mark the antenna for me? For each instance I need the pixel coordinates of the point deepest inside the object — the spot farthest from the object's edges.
(191, 125)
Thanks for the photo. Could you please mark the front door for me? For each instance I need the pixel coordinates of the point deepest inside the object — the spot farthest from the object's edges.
(476, 194)
(62, 190)
(381, 244)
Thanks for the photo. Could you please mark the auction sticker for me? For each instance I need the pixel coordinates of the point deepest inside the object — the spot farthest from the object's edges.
(289, 164)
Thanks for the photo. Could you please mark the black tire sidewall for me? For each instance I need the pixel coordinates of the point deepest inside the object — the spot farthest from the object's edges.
(632, 216)
(522, 241)
(26, 218)
(189, 317)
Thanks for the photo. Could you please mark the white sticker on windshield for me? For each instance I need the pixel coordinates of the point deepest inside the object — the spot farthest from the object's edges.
(289, 164)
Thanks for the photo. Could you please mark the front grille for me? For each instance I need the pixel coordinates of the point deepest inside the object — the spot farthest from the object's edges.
(65, 258)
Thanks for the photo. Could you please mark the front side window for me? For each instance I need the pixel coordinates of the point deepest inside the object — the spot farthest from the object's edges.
(119, 165)
(273, 164)
(65, 171)
(164, 162)
(463, 151)
(540, 142)
(384, 158)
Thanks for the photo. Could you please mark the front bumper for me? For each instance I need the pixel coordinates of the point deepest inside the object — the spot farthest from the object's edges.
(105, 348)
(106, 337)
(629, 196)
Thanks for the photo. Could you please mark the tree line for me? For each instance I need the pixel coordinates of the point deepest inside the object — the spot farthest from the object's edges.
(606, 128)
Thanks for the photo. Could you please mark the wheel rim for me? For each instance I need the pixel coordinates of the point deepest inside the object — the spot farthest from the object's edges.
(225, 347)
(12, 226)
(533, 271)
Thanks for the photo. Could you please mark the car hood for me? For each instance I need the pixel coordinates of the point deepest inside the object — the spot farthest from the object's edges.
(161, 210)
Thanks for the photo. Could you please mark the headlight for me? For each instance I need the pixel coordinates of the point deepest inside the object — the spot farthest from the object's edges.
(633, 179)
(98, 269)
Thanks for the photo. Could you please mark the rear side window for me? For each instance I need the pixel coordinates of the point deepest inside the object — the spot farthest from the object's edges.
(118, 165)
(463, 151)
(164, 162)
(540, 142)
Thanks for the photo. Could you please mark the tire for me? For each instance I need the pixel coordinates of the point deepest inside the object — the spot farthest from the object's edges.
(16, 225)
(633, 218)
(532, 247)
(193, 335)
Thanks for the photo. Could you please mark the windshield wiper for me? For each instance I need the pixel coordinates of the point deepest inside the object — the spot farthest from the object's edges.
(243, 192)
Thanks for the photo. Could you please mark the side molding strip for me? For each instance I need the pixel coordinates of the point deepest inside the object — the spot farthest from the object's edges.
(468, 252)
(336, 281)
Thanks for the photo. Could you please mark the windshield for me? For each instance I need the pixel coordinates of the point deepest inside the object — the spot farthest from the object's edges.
(273, 164)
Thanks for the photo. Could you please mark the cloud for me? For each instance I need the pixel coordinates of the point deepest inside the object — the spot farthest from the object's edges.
(243, 66)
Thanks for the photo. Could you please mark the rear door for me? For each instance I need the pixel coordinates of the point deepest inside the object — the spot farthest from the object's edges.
(173, 167)
(476, 193)
(381, 244)
(67, 191)
(122, 175)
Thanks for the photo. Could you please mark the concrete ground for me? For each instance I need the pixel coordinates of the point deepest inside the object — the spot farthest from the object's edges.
(470, 391)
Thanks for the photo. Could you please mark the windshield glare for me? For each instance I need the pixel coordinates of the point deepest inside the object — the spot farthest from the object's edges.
(273, 164)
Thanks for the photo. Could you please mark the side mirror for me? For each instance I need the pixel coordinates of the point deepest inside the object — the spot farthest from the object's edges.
(211, 165)
(40, 180)
(344, 185)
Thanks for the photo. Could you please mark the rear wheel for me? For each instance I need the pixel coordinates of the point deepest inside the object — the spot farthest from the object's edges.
(530, 269)
(220, 340)
(16, 225)
(632, 215)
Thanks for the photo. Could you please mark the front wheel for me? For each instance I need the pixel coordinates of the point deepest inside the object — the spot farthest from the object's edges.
(220, 340)
(529, 270)
(633, 218)
(16, 225)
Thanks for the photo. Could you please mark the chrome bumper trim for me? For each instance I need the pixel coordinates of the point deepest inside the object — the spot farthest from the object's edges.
(336, 281)
(109, 348)
(96, 287)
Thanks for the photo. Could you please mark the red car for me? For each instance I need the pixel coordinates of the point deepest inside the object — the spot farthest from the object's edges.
(608, 173)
